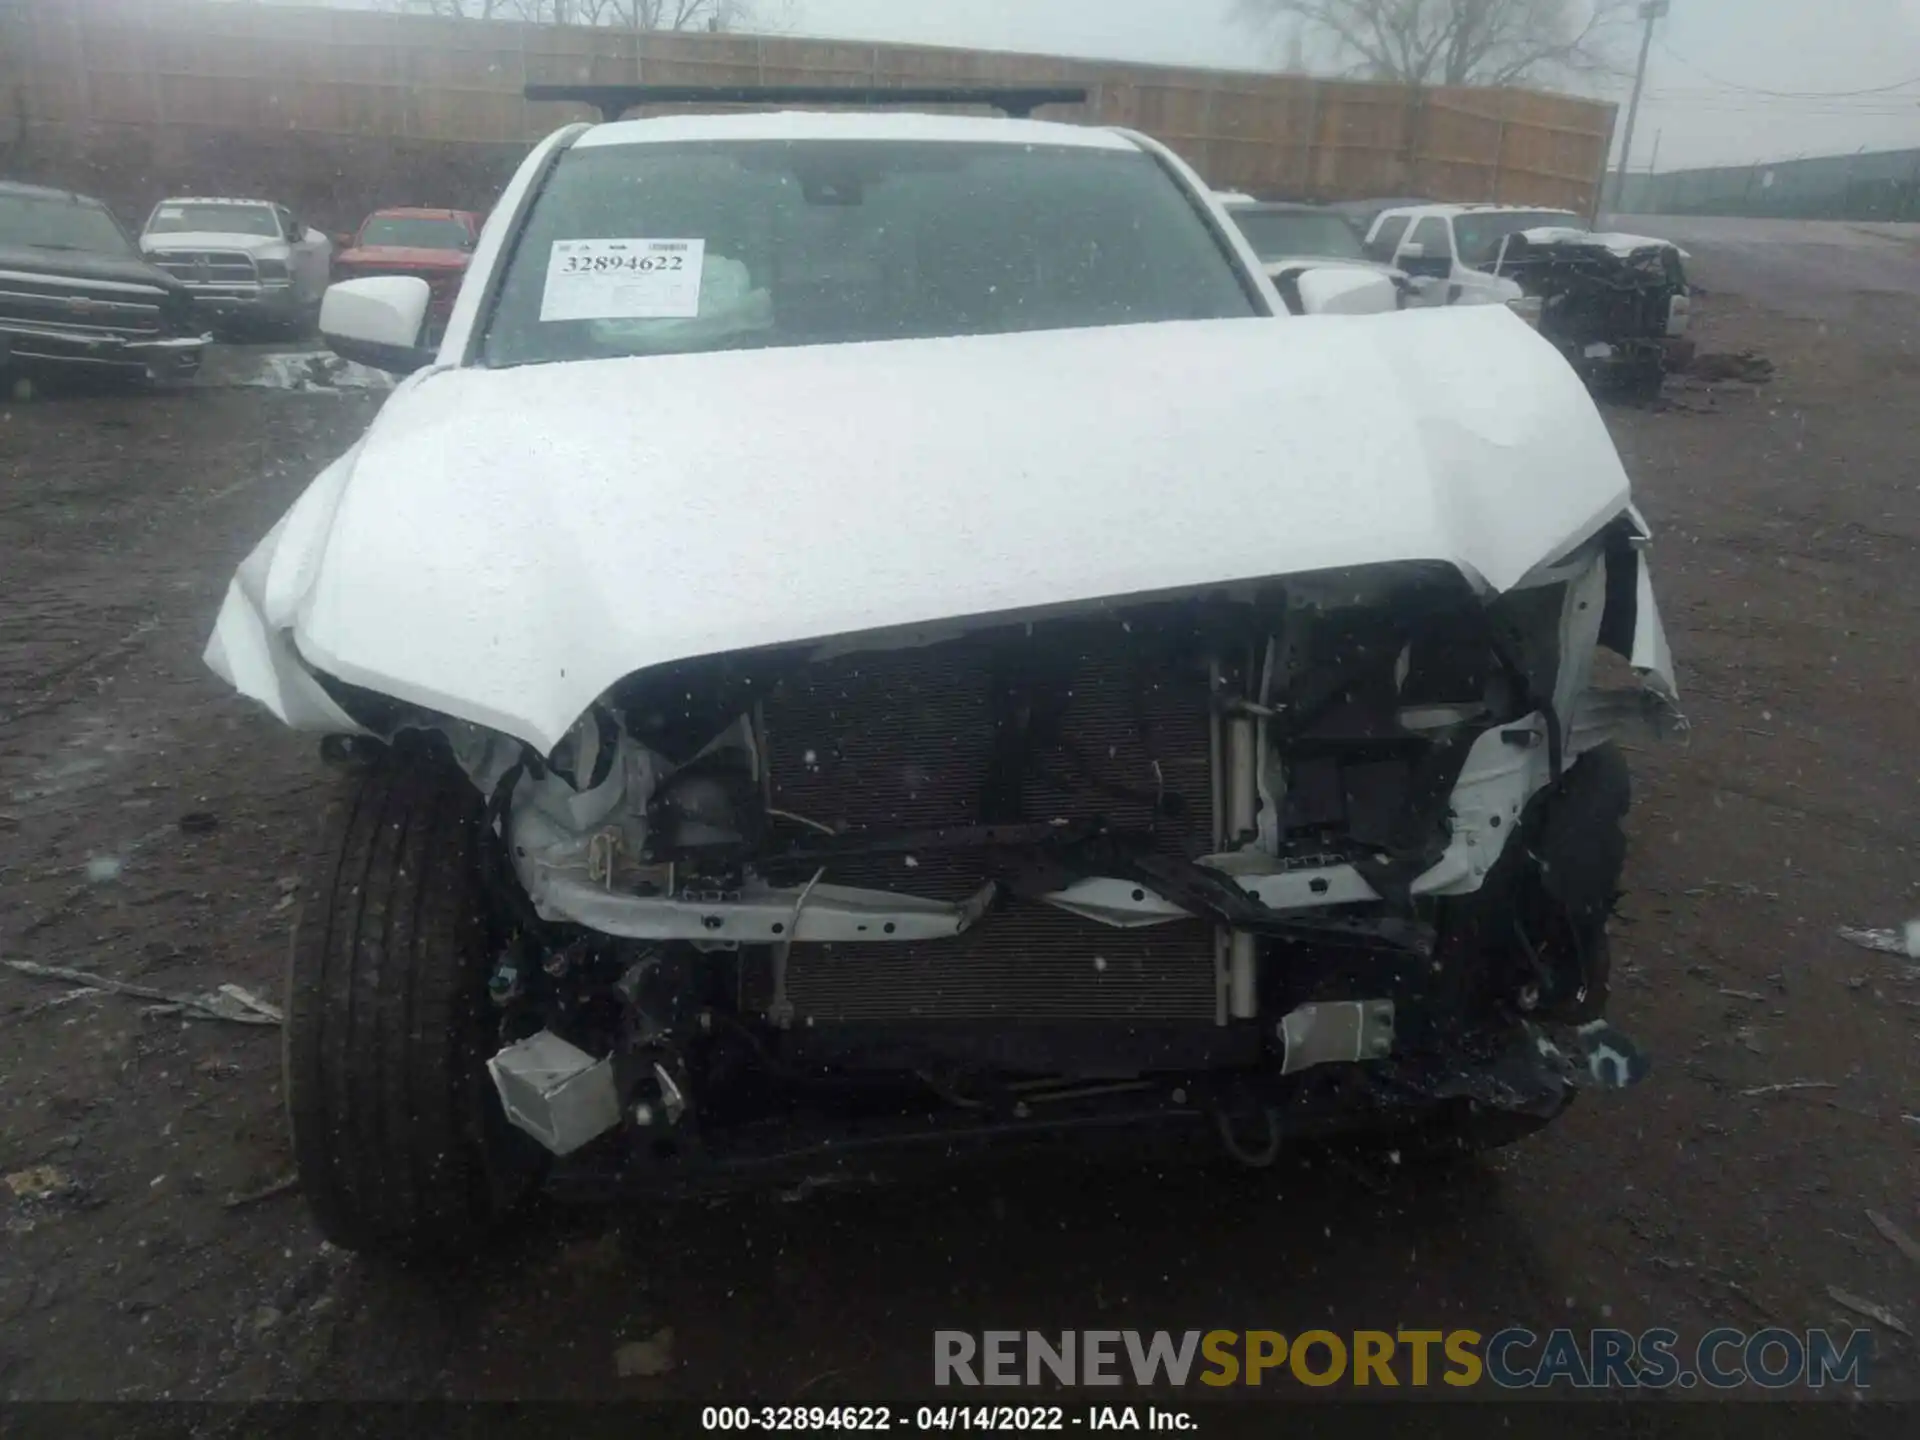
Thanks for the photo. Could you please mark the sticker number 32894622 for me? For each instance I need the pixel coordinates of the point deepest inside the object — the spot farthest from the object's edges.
(623, 280)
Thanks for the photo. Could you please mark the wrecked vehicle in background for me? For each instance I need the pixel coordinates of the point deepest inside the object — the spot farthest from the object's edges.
(1617, 306)
(1023, 682)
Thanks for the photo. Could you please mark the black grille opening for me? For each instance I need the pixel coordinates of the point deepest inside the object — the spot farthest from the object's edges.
(1073, 722)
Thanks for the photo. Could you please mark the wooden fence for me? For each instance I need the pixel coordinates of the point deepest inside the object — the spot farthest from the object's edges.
(175, 83)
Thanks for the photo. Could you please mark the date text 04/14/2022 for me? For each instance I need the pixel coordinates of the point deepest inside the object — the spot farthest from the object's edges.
(939, 1419)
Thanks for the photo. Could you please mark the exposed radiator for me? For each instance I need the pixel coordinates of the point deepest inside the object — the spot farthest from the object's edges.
(908, 739)
(1031, 962)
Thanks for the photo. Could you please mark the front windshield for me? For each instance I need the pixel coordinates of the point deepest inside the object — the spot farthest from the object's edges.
(417, 232)
(1281, 234)
(778, 243)
(177, 219)
(1479, 235)
(49, 222)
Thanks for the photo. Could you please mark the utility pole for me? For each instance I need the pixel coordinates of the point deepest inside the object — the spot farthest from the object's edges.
(1650, 11)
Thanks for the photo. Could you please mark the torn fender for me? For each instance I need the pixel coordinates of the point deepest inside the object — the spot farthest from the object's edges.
(1650, 656)
(252, 647)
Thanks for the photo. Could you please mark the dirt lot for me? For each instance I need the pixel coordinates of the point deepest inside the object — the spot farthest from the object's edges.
(149, 824)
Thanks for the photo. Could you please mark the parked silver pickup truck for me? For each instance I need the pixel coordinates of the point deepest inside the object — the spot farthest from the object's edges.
(243, 260)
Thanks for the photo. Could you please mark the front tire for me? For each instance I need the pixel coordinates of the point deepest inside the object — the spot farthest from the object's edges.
(400, 1144)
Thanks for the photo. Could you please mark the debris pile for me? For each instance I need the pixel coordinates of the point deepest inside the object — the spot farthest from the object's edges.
(1748, 367)
(1904, 942)
(315, 370)
(229, 1002)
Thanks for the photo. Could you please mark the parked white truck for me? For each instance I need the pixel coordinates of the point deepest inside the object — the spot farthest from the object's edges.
(242, 260)
(882, 630)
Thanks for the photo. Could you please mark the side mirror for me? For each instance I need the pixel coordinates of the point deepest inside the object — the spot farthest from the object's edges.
(1422, 290)
(343, 242)
(1345, 290)
(1415, 260)
(378, 322)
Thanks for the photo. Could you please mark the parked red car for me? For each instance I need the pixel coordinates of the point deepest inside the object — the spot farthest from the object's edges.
(433, 244)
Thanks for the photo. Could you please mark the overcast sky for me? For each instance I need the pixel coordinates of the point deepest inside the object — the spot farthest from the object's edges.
(1703, 53)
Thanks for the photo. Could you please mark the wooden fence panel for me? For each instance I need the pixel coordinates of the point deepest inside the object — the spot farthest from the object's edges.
(88, 74)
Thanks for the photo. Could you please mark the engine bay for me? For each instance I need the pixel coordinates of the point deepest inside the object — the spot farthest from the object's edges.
(1186, 845)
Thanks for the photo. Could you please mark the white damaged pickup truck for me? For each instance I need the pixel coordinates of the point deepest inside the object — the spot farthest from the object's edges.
(879, 630)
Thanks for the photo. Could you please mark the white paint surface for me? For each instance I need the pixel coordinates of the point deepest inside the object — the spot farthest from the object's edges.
(1616, 243)
(1339, 289)
(508, 544)
(319, 370)
(258, 246)
(882, 125)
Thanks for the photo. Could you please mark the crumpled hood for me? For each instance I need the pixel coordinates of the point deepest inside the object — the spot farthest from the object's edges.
(212, 240)
(1611, 241)
(507, 544)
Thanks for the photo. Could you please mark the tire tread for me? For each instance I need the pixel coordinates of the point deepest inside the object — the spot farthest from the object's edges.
(385, 1021)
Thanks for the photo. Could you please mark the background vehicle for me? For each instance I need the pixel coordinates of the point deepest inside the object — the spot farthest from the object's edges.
(1617, 306)
(1450, 250)
(1364, 212)
(435, 245)
(1174, 757)
(75, 295)
(242, 260)
(1290, 239)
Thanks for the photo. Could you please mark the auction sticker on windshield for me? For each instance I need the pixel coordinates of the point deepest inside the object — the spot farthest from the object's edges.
(623, 280)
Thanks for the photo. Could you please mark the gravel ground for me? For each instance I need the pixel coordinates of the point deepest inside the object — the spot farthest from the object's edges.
(150, 825)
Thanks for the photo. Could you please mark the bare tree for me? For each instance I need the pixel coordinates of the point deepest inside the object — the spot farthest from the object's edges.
(621, 14)
(453, 9)
(1454, 42)
(678, 14)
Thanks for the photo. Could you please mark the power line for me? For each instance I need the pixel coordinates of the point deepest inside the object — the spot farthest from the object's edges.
(1735, 105)
(1788, 94)
(1708, 92)
(1695, 102)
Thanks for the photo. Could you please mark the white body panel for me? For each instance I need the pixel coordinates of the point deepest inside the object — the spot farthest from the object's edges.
(261, 247)
(1342, 289)
(880, 126)
(507, 544)
(1463, 284)
(1609, 240)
